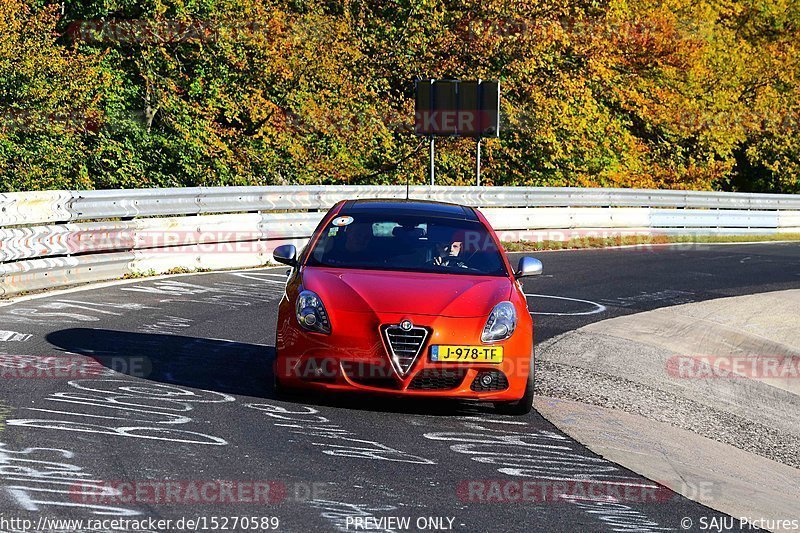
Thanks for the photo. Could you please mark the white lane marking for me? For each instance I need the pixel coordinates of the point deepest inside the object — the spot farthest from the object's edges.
(14, 336)
(599, 307)
(261, 279)
(50, 293)
(493, 420)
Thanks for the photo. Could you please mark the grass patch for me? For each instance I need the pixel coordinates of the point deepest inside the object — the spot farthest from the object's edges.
(135, 275)
(182, 270)
(175, 270)
(579, 243)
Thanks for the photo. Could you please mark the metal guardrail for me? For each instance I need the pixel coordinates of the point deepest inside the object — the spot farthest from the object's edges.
(67, 206)
(55, 238)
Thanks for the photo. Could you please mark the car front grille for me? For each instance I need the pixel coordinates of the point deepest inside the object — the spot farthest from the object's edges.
(437, 379)
(404, 346)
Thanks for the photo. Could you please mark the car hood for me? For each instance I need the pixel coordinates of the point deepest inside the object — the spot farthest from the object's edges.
(410, 293)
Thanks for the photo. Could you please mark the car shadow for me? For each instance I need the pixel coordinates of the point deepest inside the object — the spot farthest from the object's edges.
(209, 364)
(225, 366)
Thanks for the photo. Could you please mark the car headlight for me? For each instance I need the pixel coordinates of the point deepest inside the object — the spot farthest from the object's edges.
(311, 313)
(501, 323)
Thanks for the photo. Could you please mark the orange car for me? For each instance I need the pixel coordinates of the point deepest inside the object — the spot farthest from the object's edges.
(408, 298)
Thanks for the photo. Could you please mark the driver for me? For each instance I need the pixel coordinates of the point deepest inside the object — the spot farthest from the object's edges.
(447, 253)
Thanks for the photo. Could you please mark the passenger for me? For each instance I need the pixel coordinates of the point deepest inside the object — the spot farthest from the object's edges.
(353, 245)
(358, 237)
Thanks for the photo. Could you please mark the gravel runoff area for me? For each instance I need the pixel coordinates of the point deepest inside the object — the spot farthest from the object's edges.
(624, 363)
(570, 383)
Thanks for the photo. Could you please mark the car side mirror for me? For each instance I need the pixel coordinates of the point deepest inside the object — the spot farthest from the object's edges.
(286, 254)
(528, 266)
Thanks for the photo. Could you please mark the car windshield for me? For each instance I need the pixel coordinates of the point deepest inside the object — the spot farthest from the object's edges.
(414, 243)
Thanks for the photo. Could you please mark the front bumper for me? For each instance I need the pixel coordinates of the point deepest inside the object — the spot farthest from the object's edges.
(354, 358)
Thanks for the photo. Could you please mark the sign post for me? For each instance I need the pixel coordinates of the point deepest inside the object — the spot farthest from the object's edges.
(432, 151)
(478, 164)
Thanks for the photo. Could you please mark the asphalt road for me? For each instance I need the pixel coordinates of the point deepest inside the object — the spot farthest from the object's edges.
(167, 381)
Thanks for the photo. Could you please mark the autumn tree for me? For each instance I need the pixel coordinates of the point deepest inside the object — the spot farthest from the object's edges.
(631, 93)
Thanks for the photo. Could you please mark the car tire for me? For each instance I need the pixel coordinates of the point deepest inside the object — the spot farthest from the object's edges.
(524, 405)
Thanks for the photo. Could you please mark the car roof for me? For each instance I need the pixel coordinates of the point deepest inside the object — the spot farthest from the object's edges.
(410, 207)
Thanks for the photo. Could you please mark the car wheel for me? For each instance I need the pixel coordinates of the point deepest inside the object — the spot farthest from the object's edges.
(524, 405)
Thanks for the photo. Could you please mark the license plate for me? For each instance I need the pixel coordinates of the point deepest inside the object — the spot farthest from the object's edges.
(467, 354)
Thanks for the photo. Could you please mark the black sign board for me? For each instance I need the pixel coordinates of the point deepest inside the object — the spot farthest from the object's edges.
(457, 108)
